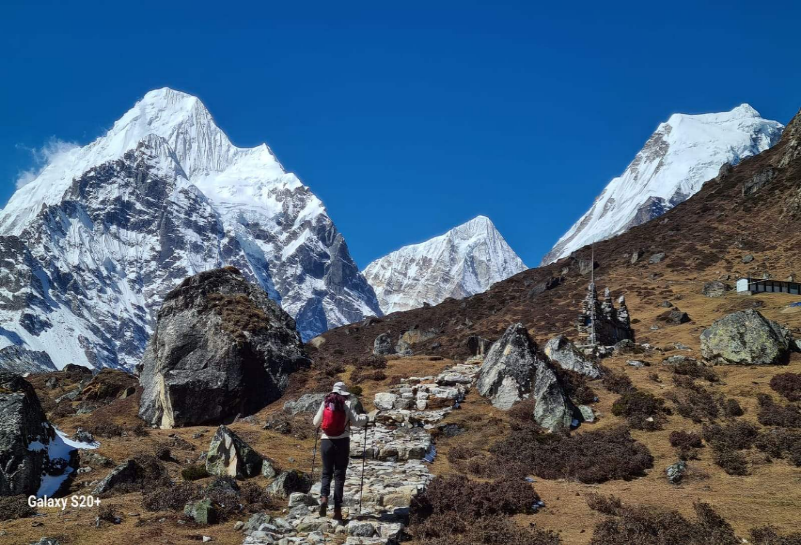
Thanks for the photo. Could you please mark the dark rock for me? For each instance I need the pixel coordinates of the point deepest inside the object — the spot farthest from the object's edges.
(24, 436)
(382, 346)
(666, 304)
(562, 351)
(202, 511)
(545, 285)
(716, 288)
(288, 482)
(758, 180)
(16, 359)
(635, 256)
(230, 456)
(478, 346)
(220, 348)
(83, 436)
(676, 472)
(748, 258)
(746, 337)
(132, 474)
(674, 317)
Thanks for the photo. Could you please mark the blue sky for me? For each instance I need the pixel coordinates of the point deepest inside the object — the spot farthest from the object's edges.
(405, 118)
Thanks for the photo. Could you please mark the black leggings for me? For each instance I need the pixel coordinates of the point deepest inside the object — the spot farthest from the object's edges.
(336, 455)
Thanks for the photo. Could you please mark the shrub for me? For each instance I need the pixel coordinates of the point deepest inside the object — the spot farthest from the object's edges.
(734, 436)
(224, 492)
(693, 402)
(171, 498)
(457, 494)
(768, 536)
(15, 507)
(106, 513)
(255, 498)
(731, 408)
(692, 369)
(732, 462)
(297, 426)
(462, 452)
(684, 439)
(575, 386)
(781, 443)
(194, 472)
(638, 525)
(788, 385)
(608, 505)
(356, 390)
(106, 429)
(523, 410)
(618, 383)
(643, 411)
(772, 414)
(163, 453)
(590, 457)
(360, 375)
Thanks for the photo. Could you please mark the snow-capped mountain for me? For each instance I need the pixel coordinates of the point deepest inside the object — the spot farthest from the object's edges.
(677, 159)
(466, 260)
(91, 245)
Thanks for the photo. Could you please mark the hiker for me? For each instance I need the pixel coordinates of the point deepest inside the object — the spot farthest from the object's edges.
(334, 418)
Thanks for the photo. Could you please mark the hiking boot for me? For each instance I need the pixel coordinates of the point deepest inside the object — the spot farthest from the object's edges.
(323, 506)
(338, 513)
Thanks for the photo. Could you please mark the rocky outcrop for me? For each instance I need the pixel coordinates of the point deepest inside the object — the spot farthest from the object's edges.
(136, 473)
(478, 346)
(221, 348)
(382, 346)
(16, 359)
(24, 436)
(562, 351)
(508, 368)
(746, 337)
(307, 403)
(611, 325)
(230, 456)
(716, 288)
(512, 371)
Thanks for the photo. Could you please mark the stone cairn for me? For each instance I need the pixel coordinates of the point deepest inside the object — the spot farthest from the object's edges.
(611, 324)
(399, 448)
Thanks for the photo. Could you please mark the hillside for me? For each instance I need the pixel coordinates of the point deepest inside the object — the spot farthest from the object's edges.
(743, 222)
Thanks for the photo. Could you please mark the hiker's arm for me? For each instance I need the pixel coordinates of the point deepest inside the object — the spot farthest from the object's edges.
(359, 420)
(318, 418)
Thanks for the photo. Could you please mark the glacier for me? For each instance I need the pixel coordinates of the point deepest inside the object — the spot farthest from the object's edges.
(677, 159)
(92, 244)
(466, 260)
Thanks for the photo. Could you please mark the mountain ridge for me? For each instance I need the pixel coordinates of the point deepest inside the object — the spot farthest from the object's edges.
(464, 261)
(680, 155)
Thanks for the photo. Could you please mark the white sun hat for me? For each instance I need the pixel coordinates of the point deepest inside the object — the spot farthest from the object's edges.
(341, 389)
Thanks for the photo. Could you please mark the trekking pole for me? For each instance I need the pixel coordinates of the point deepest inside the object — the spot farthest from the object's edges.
(314, 453)
(364, 459)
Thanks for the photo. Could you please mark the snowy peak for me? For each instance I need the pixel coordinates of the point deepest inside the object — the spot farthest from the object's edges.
(674, 163)
(466, 260)
(164, 194)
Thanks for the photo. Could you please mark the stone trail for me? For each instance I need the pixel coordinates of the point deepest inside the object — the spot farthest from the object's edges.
(395, 469)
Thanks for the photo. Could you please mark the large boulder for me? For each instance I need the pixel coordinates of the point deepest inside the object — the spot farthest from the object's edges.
(24, 437)
(230, 456)
(552, 409)
(383, 346)
(288, 482)
(716, 288)
(142, 472)
(307, 403)
(562, 351)
(746, 337)
(508, 369)
(220, 348)
(512, 371)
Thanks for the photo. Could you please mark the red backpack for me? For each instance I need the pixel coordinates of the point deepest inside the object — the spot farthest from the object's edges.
(334, 415)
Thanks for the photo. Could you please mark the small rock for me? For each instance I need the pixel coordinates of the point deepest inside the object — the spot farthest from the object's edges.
(238, 525)
(656, 258)
(638, 363)
(202, 511)
(676, 472)
(748, 258)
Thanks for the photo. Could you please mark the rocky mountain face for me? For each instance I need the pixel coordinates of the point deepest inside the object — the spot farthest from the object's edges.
(466, 260)
(91, 246)
(677, 159)
(221, 348)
